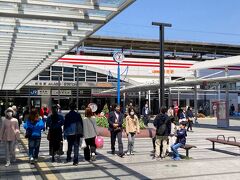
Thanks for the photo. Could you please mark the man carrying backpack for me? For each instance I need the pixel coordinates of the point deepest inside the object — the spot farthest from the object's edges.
(163, 128)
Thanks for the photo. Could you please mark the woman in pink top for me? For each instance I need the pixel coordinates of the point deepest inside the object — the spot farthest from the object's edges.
(9, 133)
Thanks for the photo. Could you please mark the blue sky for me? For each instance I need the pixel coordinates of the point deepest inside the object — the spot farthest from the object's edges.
(214, 21)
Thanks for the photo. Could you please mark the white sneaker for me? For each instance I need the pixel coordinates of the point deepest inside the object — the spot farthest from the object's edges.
(128, 153)
(7, 164)
(31, 160)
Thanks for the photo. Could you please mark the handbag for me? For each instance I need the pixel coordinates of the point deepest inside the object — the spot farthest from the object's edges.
(65, 145)
(83, 144)
(99, 142)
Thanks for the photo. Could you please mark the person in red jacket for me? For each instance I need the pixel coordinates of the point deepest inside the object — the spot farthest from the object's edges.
(44, 111)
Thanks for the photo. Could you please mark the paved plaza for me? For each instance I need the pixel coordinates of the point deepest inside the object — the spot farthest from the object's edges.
(223, 163)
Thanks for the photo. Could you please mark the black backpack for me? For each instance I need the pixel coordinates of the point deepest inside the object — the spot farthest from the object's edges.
(163, 127)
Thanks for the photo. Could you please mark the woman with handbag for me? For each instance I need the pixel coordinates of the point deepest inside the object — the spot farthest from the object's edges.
(90, 133)
(34, 125)
(9, 134)
(55, 123)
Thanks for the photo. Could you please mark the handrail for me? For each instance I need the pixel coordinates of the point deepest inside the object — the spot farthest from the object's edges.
(231, 137)
(221, 136)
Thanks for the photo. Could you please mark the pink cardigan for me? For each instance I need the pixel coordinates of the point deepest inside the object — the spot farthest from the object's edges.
(9, 130)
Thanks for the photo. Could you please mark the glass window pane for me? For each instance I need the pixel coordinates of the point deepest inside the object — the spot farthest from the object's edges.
(68, 69)
(56, 68)
(68, 75)
(44, 78)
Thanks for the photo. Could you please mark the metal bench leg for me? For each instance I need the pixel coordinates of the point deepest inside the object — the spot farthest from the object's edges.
(187, 152)
(213, 146)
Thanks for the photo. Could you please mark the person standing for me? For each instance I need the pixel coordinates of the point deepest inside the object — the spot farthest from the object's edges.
(90, 133)
(232, 110)
(44, 112)
(190, 118)
(34, 125)
(73, 131)
(170, 112)
(115, 121)
(146, 113)
(172, 137)
(55, 123)
(181, 115)
(163, 128)
(132, 127)
(181, 141)
(9, 134)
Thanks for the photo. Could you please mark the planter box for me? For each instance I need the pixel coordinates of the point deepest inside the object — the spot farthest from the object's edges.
(144, 133)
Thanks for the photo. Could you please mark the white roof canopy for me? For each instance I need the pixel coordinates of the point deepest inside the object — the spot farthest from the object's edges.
(36, 33)
(221, 62)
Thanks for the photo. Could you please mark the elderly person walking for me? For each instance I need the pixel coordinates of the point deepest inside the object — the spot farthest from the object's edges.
(9, 133)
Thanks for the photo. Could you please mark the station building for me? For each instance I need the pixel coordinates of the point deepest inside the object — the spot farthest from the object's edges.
(92, 64)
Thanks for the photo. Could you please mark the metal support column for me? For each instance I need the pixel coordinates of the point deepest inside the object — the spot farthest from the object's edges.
(161, 59)
(195, 98)
(124, 102)
(227, 99)
(77, 88)
(59, 89)
(169, 98)
(159, 100)
(149, 100)
(139, 102)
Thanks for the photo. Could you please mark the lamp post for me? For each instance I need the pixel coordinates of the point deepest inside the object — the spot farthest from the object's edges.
(118, 57)
(161, 60)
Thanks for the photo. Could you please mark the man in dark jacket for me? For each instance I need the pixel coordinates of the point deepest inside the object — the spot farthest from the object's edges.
(73, 131)
(146, 113)
(115, 121)
(163, 129)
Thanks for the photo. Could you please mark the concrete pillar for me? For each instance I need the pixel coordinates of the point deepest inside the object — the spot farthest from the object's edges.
(195, 98)
(124, 102)
(159, 100)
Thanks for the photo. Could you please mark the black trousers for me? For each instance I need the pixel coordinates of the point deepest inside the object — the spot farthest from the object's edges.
(90, 142)
(117, 135)
(146, 120)
(189, 125)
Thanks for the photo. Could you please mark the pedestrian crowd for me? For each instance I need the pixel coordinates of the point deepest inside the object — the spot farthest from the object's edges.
(73, 132)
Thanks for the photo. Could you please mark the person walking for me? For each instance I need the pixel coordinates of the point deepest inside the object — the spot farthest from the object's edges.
(132, 127)
(73, 131)
(163, 127)
(181, 115)
(9, 134)
(115, 121)
(55, 123)
(190, 118)
(146, 113)
(34, 125)
(44, 112)
(181, 141)
(90, 133)
(170, 112)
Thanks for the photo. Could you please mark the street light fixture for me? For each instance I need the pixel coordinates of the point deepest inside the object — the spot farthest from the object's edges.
(161, 60)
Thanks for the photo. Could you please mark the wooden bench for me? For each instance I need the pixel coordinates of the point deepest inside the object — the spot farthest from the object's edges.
(223, 141)
(187, 147)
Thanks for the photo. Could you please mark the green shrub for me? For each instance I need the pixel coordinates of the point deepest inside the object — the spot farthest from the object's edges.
(102, 122)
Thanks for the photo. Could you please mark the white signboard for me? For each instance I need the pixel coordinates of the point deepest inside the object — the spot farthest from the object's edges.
(43, 92)
(62, 92)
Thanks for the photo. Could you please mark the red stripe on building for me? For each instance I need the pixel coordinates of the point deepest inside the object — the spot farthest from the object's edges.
(122, 64)
(125, 61)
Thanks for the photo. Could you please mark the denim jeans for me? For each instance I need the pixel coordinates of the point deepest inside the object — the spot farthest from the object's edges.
(73, 140)
(175, 151)
(131, 139)
(34, 145)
